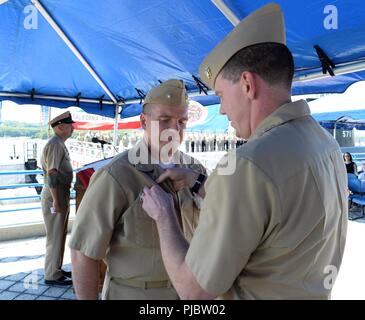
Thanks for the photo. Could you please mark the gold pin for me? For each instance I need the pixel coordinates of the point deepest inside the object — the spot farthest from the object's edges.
(141, 194)
(208, 73)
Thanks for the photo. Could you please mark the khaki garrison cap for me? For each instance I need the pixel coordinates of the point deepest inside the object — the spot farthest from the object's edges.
(62, 118)
(263, 25)
(169, 93)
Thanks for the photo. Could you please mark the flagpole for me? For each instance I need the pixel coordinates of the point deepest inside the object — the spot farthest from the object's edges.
(49, 119)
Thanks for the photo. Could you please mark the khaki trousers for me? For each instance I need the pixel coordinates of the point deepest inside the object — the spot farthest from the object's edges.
(56, 231)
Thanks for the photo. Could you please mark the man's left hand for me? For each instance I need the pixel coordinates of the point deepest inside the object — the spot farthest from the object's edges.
(156, 202)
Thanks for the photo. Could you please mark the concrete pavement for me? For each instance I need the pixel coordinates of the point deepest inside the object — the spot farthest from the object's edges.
(22, 261)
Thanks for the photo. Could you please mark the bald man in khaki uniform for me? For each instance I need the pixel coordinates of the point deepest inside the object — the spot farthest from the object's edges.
(55, 198)
(111, 224)
(273, 222)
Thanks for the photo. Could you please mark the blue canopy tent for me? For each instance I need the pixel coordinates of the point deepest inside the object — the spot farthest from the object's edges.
(344, 111)
(105, 55)
(343, 123)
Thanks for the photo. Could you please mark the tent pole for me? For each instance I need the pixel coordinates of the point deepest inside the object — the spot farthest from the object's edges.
(49, 120)
(85, 100)
(334, 130)
(115, 132)
(72, 47)
(226, 11)
(350, 68)
(56, 98)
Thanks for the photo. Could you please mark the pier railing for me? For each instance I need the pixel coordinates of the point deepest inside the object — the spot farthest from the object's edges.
(37, 186)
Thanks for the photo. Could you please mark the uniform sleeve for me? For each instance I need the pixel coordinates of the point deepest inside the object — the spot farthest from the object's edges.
(97, 215)
(231, 226)
(55, 154)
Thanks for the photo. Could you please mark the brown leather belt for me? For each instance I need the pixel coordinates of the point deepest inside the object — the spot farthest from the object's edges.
(143, 284)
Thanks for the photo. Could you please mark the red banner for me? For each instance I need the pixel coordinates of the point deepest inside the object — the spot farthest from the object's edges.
(83, 125)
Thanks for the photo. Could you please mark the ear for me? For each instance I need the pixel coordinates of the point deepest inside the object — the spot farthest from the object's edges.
(143, 120)
(248, 83)
(58, 129)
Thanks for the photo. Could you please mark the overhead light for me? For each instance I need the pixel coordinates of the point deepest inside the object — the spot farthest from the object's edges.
(3, 1)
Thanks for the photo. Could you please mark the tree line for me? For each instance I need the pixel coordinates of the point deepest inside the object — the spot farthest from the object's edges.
(22, 129)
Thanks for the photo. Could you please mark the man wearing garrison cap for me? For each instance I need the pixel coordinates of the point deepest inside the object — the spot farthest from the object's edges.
(110, 223)
(275, 228)
(55, 198)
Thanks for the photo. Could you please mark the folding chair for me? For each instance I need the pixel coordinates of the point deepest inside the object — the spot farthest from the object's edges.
(357, 187)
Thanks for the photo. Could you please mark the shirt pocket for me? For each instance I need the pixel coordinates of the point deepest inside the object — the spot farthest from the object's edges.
(138, 227)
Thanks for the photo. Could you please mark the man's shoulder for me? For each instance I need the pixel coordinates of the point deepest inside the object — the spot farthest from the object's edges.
(53, 145)
(121, 170)
(289, 148)
(119, 163)
(54, 141)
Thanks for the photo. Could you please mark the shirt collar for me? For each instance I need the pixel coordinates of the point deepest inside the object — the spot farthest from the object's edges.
(285, 113)
(149, 167)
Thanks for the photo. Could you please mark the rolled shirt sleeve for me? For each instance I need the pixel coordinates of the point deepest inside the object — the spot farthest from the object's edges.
(233, 218)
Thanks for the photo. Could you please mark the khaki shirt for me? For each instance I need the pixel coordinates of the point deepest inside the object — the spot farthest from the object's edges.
(110, 224)
(55, 156)
(276, 228)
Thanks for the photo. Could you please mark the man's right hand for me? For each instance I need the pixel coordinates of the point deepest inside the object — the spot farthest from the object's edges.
(180, 177)
(57, 206)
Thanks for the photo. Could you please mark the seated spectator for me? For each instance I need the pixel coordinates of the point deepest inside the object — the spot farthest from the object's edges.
(350, 165)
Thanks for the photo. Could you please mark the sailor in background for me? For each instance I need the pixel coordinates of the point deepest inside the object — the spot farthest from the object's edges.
(55, 198)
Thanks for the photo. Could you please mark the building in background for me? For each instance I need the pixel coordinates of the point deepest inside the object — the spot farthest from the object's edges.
(44, 115)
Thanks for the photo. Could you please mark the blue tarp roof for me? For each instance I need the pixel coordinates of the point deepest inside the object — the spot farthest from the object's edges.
(346, 110)
(134, 44)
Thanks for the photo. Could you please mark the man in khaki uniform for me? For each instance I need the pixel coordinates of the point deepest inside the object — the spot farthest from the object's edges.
(55, 198)
(110, 222)
(275, 227)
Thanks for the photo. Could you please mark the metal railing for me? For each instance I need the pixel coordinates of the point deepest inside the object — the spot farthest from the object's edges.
(24, 185)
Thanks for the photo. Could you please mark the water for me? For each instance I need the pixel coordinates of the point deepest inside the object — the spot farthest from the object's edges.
(12, 151)
(18, 150)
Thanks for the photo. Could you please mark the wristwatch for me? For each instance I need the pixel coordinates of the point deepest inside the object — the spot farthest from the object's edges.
(199, 181)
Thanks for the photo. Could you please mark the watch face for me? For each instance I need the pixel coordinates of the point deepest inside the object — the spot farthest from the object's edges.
(197, 184)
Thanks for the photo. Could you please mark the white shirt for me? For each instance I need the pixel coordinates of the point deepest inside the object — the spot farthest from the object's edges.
(361, 176)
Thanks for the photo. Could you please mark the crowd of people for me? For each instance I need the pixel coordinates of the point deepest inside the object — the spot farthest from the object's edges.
(204, 142)
(193, 141)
